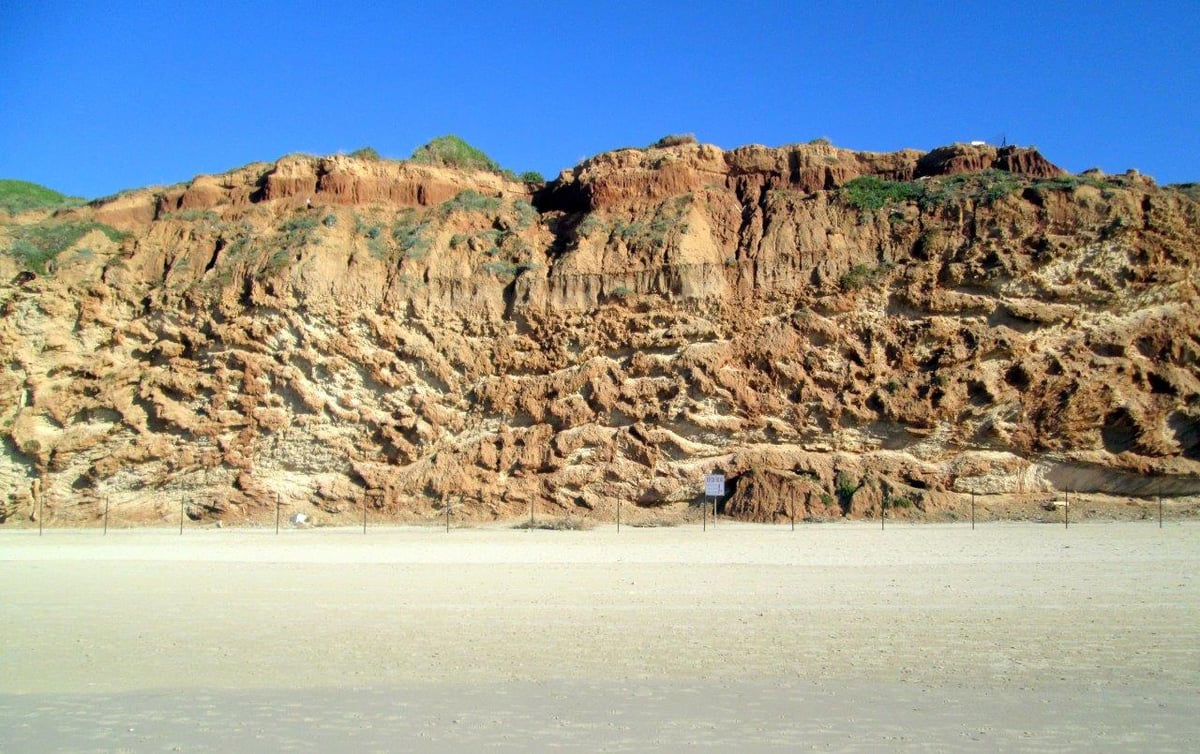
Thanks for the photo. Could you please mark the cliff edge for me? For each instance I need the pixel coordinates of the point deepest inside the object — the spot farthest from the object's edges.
(832, 330)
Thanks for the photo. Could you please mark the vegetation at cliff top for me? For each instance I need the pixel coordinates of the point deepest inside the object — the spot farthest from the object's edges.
(452, 151)
(22, 196)
(1187, 189)
(674, 140)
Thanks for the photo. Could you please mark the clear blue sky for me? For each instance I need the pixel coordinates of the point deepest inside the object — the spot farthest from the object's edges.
(94, 99)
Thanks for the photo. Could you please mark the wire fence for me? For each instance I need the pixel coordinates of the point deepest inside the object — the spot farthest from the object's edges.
(185, 513)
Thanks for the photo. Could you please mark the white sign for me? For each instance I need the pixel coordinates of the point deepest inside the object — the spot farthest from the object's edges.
(714, 485)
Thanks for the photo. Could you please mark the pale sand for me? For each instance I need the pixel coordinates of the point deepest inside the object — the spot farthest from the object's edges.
(1021, 637)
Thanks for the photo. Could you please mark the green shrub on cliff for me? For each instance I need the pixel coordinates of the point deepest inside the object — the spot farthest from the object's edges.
(591, 226)
(298, 231)
(409, 232)
(22, 196)
(674, 140)
(998, 185)
(194, 215)
(502, 268)
(524, 212)
(856, 277)
(1070, 183)
(869, 192)
(986, 186)
(468, 200)
(36, 246)
(1191, 190)
(452, 151)
(845, 486)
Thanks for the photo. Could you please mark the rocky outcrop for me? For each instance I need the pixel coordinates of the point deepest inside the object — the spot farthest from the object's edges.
(336, 332)
(974, 158)
(302, 180)
(639, 176)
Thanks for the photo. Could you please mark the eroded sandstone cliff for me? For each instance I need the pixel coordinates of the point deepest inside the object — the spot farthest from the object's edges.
(833, 330)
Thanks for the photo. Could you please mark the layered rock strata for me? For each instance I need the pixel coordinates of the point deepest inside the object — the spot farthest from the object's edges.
(835, 331)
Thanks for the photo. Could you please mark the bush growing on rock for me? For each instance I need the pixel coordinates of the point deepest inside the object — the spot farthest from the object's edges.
(22, 196)
(845, 486)
(471, 201)
(860, 275)
(36, 246)
(869, 192)
(452, 151)
(674, 140)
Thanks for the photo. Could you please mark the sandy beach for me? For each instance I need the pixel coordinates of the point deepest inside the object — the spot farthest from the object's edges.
(837, 637)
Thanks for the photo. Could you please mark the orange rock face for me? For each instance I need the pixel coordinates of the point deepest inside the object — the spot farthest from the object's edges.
(969, 158)
(339, 333)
